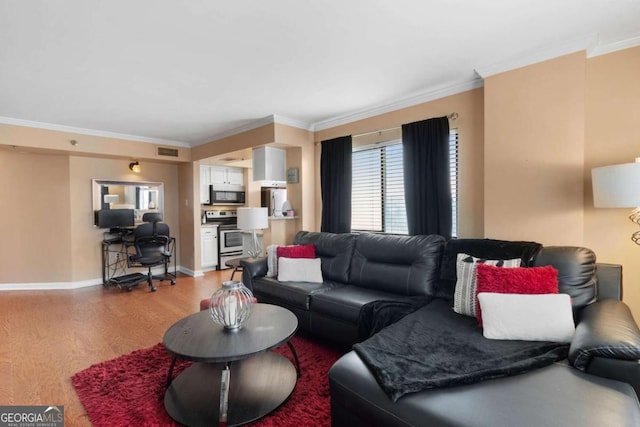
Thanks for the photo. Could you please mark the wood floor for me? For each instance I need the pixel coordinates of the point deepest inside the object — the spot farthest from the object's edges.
(47, 336)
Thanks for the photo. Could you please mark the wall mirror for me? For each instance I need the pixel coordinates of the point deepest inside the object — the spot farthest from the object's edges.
(140, 196)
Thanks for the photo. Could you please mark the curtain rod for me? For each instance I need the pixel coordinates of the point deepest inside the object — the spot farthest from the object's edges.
(452, 116)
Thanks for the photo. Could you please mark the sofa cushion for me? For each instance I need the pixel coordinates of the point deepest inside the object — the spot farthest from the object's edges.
(345, 303)
(403, 265)
(576, 272)
(335, 251)
(296, 294)
(480, 248)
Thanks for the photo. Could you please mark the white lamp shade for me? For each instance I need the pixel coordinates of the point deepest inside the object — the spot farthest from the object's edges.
(616, 186)
(252, 218)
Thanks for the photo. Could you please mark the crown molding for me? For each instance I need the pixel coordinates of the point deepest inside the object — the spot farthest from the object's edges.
(601, 48)
(271, 119)
(400, 103)
(533, 56)
(92, 132)
(288, 121)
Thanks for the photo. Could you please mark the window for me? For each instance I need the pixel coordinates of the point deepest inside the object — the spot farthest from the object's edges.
(377, 197)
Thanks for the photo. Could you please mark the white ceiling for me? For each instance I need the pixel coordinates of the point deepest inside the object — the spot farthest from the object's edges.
(187, 72)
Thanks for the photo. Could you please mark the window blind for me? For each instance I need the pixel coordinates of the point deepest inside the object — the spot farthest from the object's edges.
(366, 194)
(453, 176)
(377, 198)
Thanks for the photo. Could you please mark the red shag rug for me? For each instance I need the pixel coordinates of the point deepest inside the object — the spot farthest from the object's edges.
(129, 390)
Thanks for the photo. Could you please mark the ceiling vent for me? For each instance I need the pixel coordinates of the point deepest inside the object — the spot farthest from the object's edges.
(167, 152)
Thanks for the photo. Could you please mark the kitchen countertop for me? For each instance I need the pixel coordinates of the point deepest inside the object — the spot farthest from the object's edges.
(282, 217)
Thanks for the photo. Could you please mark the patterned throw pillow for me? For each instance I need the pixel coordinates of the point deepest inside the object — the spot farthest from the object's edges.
(272, 261)
(465, 297)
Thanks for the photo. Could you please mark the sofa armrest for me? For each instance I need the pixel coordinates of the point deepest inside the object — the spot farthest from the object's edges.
(627, 371)
(252, 268)
(606, 330)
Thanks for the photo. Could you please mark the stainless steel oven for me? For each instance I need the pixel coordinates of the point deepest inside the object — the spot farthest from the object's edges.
(230, 242)
(229, 237)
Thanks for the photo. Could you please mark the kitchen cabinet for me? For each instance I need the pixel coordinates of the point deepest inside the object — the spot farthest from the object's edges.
(209, 247)
(227, 175)
(214, 175)
(205, 181)
(269, 164)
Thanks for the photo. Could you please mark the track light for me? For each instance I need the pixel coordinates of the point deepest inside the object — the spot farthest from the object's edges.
(135, 167)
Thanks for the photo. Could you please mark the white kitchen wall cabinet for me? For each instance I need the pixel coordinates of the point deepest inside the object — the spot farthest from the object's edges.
(269, 164)
(205, 181)
(227, 175)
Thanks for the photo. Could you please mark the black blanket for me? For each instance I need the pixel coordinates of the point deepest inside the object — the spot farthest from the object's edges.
(436, 347)
(377, 315)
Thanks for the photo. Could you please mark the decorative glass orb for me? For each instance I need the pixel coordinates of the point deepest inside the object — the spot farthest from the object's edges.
(231, 305)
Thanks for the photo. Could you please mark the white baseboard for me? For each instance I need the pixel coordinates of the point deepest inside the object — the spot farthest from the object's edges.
(53, 286)
(49, 286)
(192, 273)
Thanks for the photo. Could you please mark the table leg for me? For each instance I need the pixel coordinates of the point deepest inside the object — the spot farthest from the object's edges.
(170, 374)
(224, 394)
(295, 357)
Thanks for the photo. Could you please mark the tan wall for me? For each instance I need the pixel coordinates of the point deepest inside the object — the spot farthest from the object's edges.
(612, 137)
(470, 125)
(188, 203)
(251, 138)
(301, 155)
(86, 238)
(533, 151)
(50, 224)
(35, 221)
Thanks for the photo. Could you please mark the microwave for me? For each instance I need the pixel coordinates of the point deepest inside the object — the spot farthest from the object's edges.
(225, 194)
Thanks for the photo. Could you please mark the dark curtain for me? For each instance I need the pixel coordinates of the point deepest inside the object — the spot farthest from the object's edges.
(427, 187)
(335, 182)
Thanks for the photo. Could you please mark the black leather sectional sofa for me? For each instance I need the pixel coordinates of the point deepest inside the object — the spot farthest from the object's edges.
(596, 386)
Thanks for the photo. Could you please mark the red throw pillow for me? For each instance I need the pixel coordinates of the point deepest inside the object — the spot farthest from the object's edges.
(519, 280)
(297, 251)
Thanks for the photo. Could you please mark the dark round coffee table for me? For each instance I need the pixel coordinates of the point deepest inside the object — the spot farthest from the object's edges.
(237, 380)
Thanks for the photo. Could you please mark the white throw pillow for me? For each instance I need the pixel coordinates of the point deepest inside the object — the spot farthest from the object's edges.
(464, 297)
(272, 261)
(299, 270)
(541, 317)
